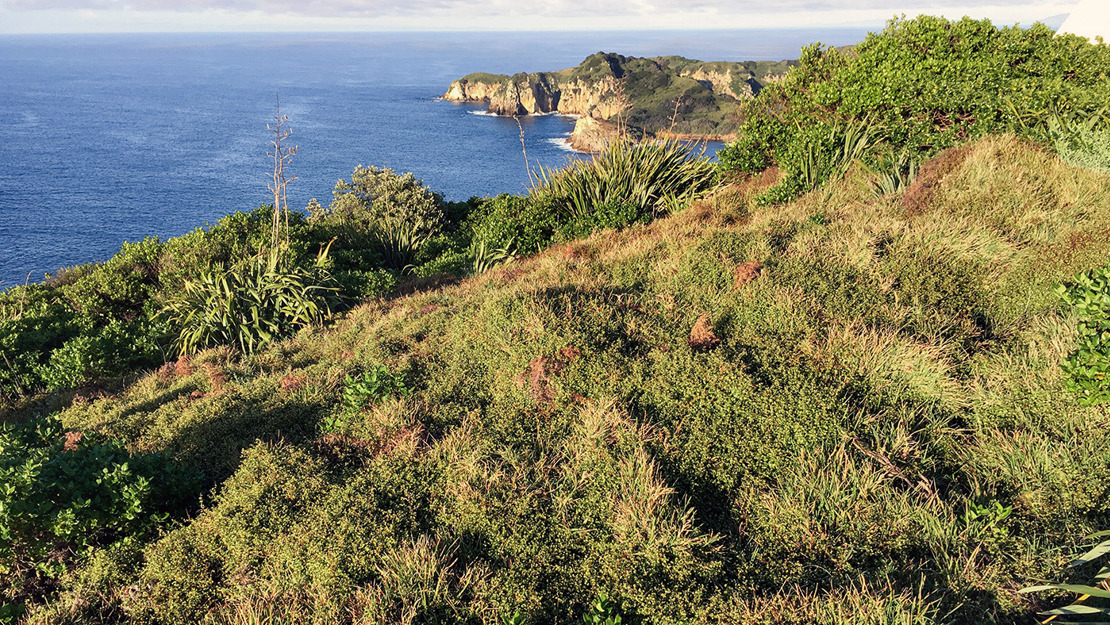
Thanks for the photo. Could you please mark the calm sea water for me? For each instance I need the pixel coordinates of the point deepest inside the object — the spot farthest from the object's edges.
(107, 138)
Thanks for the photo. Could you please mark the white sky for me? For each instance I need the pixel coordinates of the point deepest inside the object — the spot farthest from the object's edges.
(98, 16)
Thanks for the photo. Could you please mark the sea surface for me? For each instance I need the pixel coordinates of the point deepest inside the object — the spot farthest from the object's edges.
(107, 138)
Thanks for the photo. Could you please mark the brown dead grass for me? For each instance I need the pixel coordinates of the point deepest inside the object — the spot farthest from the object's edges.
(217, 378)
(73, 439)
(183, 368)
(702, 336)
(291, 383)
(539, 375)
(920, 193)
(745, 273)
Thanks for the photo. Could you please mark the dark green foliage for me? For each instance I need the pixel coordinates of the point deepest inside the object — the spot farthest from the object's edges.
(105, 352)
(374, 385)
(922, 84)
(32, 325)
(63, 493)
(118, 288)
(602, 611)
(366, 284)
(1088, 366)
(527, 222)
(613, 214)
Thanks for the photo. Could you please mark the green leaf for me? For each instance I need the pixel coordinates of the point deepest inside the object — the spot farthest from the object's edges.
(1076, 588)
(1076, 608)
(1098, 551)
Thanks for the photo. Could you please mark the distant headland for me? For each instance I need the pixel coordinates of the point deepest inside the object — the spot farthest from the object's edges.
(666, 96)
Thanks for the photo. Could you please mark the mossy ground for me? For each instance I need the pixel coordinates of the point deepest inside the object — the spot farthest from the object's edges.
(880, 379)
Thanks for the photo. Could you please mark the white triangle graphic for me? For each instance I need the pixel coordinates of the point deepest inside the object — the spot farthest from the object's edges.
(1090, 19)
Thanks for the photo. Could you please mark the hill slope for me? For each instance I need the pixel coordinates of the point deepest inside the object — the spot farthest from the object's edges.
(839, 408)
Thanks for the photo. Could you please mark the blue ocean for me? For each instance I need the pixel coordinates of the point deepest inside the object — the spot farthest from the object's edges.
(112, 138)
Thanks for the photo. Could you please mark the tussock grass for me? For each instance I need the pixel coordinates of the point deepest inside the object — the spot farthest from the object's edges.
(885, 383)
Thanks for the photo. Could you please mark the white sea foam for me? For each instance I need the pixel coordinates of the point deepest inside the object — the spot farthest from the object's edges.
(563, 143)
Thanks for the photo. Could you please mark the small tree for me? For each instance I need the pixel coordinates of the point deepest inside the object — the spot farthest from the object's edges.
(281, 156)
(394, 213)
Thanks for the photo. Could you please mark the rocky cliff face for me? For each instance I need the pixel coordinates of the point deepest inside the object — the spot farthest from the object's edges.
(530, 94)
(463, 90)
(722, 82)
(592, 135)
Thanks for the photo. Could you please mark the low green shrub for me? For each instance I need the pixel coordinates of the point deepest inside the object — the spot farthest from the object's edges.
(366, 284)
(528, 222)
(115, 349)
(64, 492)
(32, 325)
(375, 384)
(395, 214)
(120, 287)
(612, 214)
(602, 611)
(1088, 366)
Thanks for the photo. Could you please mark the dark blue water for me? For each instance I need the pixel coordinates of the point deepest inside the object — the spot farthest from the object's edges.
(106, 138)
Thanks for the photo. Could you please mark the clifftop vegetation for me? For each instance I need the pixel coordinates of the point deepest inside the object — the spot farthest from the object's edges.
(649, 390)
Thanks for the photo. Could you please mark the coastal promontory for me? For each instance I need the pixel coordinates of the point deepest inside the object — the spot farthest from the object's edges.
(642, 97)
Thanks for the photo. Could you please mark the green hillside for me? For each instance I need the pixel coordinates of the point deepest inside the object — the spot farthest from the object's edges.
(859, 381)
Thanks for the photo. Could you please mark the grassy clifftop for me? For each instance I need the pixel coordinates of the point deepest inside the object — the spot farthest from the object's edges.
(841, 409)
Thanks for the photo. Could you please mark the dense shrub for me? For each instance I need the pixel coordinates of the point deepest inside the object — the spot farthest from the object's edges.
(106, 352)
(393, 213)
(97, 321)
(922, 84)
(63, 493)
(528, 223)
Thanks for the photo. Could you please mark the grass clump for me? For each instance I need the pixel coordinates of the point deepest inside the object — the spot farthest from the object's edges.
(626, 183)
(249, 304)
